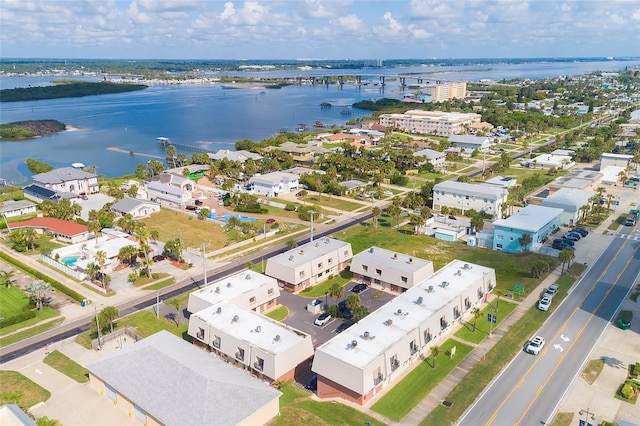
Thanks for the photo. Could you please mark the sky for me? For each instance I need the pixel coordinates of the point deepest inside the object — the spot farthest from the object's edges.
(318, 29)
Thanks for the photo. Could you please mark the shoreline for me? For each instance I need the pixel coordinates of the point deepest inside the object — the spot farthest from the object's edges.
(124, 151)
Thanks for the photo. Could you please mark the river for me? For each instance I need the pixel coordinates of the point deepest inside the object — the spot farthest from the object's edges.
(209, 116)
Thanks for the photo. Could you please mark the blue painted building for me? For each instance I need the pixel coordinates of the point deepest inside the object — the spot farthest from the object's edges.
(537, 221)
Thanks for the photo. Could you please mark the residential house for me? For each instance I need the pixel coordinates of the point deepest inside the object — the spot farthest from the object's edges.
(63, 230)
(68, 179)
(303, 153)
(389, 270)
(163, 380)
(11, 208)
(240, 156)
(247, 289)
(435, 158)
(502, 182)
(547, 161)
(617, 160)
(469, 143)
(268, 349)
(310, 263)
(39, 194)
(135, 207)
(538, 222)
(353, 185)
(485, 198)
(177, 181)
(163, 193)
(570, 200)
(274, 184)
(376, 352)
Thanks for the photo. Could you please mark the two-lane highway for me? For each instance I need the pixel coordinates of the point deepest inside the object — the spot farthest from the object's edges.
(530, 387)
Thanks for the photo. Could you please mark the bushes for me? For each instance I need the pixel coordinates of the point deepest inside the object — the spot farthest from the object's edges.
(39, 275)
(627, 391)
(15, 319)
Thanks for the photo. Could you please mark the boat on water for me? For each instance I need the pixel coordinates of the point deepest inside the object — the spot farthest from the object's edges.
(319, 124)
(164, 141)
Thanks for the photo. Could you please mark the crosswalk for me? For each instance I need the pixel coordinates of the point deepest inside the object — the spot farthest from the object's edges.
(634, 237)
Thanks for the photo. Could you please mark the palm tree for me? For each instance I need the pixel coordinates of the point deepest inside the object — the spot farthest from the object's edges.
(91, 271)
(336, 291)
(6, 277)
(395, 211)
(142, 236)
(127, 223)
(101, 258)
(416, 221)
(476, 314)
(435, 351)
(127, 254)
(525, 240)
(353, 301)
(565, 256)
(376, 212)
(477, 222)
(29, 235)
(291, 243)
(176, 303)
(108, 315)
(359, 312)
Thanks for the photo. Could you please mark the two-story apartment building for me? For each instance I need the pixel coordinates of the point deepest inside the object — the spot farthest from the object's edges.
(372, 354)
(68, 179)
(431, 122)
(389, 270)
(268, 349)
(274, 184)
(164, 193)
(309, 263)
(537, 221)
(247, 289)
(464, 196)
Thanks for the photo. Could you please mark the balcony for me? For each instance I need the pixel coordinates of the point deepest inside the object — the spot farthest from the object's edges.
(395, 365)
(413, 350)
(258, 366)
(240, 356)
(378, 380)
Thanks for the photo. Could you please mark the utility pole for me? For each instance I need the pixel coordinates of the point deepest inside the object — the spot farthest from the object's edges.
(311, 213)
(204, 263)
(158, 304)
(95, 308)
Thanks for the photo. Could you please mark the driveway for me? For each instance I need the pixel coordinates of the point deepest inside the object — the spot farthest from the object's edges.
(94, 202)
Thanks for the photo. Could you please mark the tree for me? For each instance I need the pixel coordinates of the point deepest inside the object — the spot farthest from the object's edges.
(539, 268)
(435, 351)
(376, 212)
(291, 243)
(46, 421)
(565, 256)
(525, 240)
(336, 291)
(204, 213)
(353, 301)
(476, 314)
(416, 221)
(108, 315)
(477, 222)
(128, 254)
(142, 236)
(94, 227)
(176, 303)
(30, 236)
(38, 292)
(127, 223)
(101, 258)
(395, 211)
(172, 249)
(6, 277)
(92, 271)
(132, 191)
(359, 313)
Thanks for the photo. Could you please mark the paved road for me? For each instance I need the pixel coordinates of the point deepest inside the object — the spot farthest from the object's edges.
(528, 390)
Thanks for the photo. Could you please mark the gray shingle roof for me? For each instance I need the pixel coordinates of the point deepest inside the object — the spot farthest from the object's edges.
(127, 204)
(179, 384)
(63, 174)
(10, 205)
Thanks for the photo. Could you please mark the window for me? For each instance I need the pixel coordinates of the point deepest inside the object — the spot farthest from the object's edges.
(379, 271)
(394, 363)
(346, 252)
(320, 265)
(427, 336)
(443, 323)
(240, 354)
(259, 364)
(413, 347)
(456, 312)
(377, 376)
(467, 303)
(499, 246)
(376, 281)
(200, 333)
(301, 274)
(252, 300)
(330, 260)
(404, 279)
(216, 342)
(270, 291)
(365, 268)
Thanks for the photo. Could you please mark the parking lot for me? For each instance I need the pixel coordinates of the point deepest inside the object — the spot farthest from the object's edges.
(303, 320)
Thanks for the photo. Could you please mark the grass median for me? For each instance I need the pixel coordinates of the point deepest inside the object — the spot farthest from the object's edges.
(67, 366)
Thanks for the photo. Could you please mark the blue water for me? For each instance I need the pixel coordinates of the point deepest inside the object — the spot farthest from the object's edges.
(226, 216)
(70, 260)
(207, 116)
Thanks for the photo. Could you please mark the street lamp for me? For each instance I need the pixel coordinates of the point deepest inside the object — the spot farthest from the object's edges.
(95, 308)
(586, 413)
(311, 212)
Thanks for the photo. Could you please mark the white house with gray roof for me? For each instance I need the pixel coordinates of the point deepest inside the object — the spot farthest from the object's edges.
(389, 270)
(68, 179)
(570, 200)
(247, 289)
(465, 196)
(274, 184)
(240, 156)
(135, 207)
(435, 158)
(470, 143)
(310, 263)
(264, 347)
(163, 380)
(372, 354)
(12, 208)
(163, 193)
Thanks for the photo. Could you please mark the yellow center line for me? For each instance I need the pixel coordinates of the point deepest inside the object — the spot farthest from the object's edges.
(578, 307)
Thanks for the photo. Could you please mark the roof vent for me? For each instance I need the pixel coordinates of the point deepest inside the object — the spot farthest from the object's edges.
(354, 343)
(327, 240)
(301, 252)
(235, 318)
(229, 284)
(366, 335)
(444, 284)
(399, 312)
(458, 273)
(217, 289)
(467, 266)
(291, 257)
(371, 250)
(430, 289)
(277, 338)
(258, 329)
(419, 301)
(395, 255)
(388, 322)
(247, 277)
(219, 310)
(411, 260)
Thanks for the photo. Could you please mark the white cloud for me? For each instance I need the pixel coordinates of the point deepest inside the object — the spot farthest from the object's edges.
(419, 33)
(390, 29)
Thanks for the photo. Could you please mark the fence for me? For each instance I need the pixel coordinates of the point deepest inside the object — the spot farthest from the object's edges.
(123, 332)
(62, 267)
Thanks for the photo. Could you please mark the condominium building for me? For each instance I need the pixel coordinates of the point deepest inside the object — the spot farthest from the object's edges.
(389, 270)
(266, 348)
(309, 263)
(464, 196)
(431, 122)
(374, 353)
(537, 221)
(247, 289)
(444, 91)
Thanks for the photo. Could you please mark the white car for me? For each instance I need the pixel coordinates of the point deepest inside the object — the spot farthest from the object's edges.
(322, 319)
(551, 291)
(388, 193)
(535, 345)
(544, 303)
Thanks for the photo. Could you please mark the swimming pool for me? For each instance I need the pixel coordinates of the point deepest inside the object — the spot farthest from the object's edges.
(70, 260)
(226, 216)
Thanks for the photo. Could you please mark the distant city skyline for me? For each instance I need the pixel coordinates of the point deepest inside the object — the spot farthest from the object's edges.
(318, 29)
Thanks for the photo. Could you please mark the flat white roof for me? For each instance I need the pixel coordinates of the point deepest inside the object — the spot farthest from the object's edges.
(617, 156)
(232, 286)
(531, 218)
(405, 313)
(305, 253)
(244, 324)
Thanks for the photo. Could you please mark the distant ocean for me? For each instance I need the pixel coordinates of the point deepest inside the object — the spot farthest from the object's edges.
(211, 117)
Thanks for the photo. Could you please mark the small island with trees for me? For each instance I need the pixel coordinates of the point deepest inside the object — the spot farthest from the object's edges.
(30, 129)
(69, 89)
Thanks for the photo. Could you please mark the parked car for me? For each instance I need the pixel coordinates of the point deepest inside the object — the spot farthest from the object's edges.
(452, 217)
(344, 310)
(198, 202)
(270, 220)
(323, 319)
(158, 258)
(583, 232)
(343, 326)
(568, 241)
(388, 193)
(192, 208)
(359, 288)
(544, 303)
(551, 291)
(562, 244)
(574, 236)
(535, 345)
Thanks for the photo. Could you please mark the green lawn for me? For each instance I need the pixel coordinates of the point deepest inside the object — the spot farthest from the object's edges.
(29, 332)
(408, 393)
(44, 314)
(483, 326)
(162, 284)
(279, 313)
(319, 290)
(296, 408)
(332, 201)
(144, 280)
(13, 300)
(44, 241)
(67, 366)
(18, 389)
